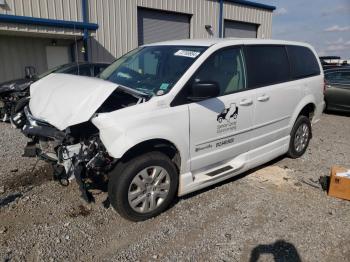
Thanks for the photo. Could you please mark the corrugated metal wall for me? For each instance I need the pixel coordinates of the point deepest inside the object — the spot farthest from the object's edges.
(251, 15)
(53, 9)
(117, 31)
(118, 21)
(70, 10)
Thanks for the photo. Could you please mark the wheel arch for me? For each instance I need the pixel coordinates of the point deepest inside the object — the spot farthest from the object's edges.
(308, 110)
(306, 107)
(156, 144)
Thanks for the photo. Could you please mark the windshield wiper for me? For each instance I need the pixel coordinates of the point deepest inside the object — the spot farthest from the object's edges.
(134, 91)
(146, 91)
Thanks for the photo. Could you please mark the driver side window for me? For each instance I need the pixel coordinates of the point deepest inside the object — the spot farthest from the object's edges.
(226, 68)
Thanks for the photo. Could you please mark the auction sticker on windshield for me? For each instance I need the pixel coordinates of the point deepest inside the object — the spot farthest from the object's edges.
(187, 53)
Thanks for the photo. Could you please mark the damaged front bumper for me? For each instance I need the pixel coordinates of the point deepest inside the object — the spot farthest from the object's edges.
(85, 158)
(36, 127)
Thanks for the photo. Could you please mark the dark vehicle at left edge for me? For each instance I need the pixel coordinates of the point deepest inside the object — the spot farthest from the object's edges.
(14, 90)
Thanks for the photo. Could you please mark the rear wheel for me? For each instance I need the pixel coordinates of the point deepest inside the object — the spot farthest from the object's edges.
(143, 187)
(300, 137)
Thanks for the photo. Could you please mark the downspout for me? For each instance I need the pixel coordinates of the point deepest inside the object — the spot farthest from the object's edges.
(221, 2)
(86, 32)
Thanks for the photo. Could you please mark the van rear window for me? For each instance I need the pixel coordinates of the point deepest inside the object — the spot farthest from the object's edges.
(302, 61)
(266, 65)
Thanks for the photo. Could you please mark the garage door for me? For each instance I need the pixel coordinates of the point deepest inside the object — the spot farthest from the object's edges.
(155, 26)
(57, 55)
(238, 29)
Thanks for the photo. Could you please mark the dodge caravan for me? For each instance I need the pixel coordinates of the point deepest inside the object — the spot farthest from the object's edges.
(170, 118)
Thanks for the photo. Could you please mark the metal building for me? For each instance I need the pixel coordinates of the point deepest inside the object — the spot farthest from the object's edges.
(46, 33)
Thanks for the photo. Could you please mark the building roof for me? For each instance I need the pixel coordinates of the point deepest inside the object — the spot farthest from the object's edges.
(253, 4)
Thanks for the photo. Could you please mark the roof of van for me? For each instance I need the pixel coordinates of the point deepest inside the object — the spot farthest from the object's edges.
(213, 41)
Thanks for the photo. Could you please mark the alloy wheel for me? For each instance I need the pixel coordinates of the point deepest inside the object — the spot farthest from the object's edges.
(148, 189)
(301, 137)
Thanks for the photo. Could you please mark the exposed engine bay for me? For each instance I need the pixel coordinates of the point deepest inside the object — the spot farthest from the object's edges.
(77, 151)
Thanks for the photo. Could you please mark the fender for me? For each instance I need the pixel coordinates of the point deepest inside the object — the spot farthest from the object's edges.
(123, 129)
(127, 140)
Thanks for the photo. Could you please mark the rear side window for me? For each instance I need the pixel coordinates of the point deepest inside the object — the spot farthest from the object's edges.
(98, 69)
(266, 65)
(303, 62)
(84, 71)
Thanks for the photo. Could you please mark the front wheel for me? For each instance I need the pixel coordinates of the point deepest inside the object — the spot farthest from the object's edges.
(299, 137)
(143, 187)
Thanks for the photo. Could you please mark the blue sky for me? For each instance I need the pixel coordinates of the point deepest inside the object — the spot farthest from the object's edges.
(325, 24)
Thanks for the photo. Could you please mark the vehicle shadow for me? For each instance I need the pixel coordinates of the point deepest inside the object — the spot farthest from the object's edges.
(281, 251)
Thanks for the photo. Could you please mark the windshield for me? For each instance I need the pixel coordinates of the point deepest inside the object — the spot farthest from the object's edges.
(152, 69)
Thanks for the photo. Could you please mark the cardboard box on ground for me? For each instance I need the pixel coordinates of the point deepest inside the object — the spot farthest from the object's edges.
(339, 185)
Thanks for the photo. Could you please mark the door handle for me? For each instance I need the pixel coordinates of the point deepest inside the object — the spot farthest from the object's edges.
(263, 98)
(246, 102)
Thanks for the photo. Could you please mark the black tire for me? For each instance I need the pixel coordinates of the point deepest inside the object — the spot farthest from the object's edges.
(292, 151)
(122, 176)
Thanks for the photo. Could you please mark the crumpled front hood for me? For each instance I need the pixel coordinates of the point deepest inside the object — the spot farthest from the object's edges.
(64, 100)
(15, 85)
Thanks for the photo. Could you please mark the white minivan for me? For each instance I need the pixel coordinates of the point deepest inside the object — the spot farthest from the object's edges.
(170, 118)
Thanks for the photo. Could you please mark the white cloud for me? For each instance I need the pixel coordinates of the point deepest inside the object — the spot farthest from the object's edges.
(281, 11)
(337, 28)
(338, 45)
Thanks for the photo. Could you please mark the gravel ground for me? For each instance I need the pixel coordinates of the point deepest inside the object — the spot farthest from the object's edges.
(273, 212)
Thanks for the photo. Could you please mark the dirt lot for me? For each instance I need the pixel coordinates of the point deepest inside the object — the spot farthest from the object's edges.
(275, 212)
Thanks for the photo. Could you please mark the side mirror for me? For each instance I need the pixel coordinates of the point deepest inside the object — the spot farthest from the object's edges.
(30, 72)
(204, 90)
